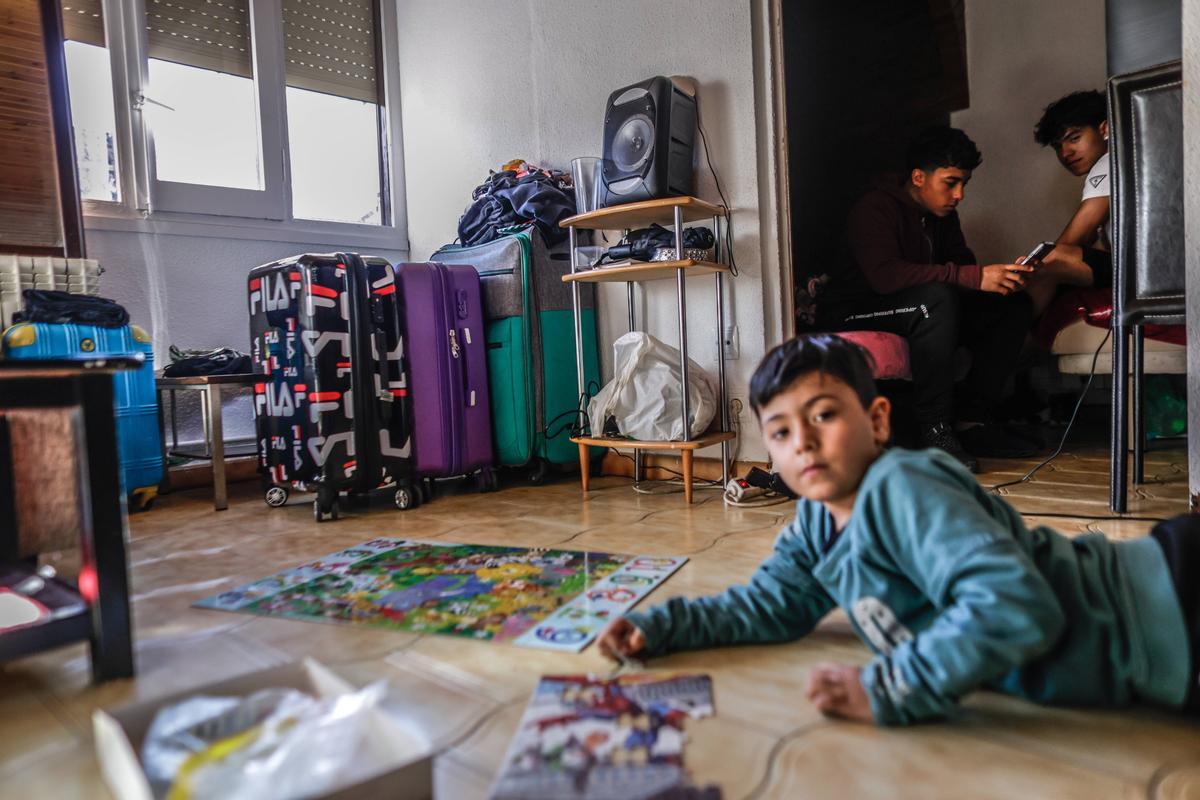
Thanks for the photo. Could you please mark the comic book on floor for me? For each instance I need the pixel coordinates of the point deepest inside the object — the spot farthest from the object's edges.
(588, 738)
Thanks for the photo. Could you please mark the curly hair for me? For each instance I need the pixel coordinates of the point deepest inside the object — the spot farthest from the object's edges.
(1077, 110)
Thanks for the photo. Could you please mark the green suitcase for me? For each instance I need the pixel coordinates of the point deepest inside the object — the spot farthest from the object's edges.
(531, 346)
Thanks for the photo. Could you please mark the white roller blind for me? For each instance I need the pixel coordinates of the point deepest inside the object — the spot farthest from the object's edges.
(331, 47)
(83, 21)
(210, 34)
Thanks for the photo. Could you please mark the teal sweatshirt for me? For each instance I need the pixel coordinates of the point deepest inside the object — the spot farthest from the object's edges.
(952, 592)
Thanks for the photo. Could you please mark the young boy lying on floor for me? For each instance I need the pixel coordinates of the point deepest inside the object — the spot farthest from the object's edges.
(942, 580)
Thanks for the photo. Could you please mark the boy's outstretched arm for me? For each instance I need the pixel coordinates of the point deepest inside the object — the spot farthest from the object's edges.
(781, 602)
(997, 611)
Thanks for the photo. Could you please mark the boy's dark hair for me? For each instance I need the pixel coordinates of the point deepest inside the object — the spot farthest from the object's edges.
(941, 147)
(825, 353)
(1076, 110)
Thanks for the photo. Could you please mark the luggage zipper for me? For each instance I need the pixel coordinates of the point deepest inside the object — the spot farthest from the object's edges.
(450, 433)
(533, 359)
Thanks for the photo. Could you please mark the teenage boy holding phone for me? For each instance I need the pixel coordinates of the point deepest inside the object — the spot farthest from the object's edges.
(909, 271)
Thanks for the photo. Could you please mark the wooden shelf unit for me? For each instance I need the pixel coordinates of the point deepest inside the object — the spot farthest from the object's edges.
(644, 213)
(645, 271)
(672, 211)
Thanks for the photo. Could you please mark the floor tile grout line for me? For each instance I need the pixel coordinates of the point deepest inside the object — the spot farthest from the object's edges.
(776, 749)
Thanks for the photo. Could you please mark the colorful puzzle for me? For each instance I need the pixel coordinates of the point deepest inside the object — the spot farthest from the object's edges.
(583, 737)
(555, 599)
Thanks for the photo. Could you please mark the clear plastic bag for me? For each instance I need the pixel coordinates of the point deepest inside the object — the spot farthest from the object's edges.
(644, 395)
(273, 745)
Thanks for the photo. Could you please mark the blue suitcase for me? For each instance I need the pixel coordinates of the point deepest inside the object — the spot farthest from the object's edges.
(139, 435)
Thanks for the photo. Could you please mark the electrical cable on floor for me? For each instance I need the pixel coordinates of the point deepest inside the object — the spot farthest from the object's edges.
(1070, 423)
(702, 484)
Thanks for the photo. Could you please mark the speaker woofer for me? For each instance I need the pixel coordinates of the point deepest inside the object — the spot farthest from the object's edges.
(634, 143)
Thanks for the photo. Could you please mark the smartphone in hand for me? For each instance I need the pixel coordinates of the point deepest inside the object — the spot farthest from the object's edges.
(1038, 253)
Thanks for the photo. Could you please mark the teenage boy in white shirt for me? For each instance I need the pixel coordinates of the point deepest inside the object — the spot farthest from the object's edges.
(1076, 126)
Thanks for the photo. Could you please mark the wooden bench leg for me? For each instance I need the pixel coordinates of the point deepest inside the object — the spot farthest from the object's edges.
(687, 476)
(583, 466)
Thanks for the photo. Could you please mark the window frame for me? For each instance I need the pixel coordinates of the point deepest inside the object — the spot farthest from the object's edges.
(149, 205)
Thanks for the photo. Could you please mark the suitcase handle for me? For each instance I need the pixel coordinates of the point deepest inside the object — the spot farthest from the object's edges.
(459, 353)
(383, 393)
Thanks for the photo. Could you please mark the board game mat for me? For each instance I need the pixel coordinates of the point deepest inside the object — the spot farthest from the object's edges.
(622, 738)
(554, 599)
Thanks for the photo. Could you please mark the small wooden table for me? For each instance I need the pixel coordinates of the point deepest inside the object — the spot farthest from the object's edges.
(214, 427)
(102, 614)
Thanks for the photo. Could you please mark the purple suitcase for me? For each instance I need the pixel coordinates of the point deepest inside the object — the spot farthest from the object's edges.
(443, 324)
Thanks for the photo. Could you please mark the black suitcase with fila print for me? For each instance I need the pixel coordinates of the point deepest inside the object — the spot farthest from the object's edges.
(332, 408)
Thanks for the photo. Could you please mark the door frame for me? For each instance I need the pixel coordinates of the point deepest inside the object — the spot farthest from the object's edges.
(774, 191)
(1191, 206)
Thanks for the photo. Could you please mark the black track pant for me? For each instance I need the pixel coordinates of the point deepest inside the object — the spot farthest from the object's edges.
(936, 318)
(1180, 541)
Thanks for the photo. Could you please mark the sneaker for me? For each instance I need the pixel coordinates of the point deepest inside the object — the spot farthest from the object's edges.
(943, 438)
(993, 441)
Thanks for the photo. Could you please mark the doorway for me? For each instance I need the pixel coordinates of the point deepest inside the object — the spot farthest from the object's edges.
(862, 77)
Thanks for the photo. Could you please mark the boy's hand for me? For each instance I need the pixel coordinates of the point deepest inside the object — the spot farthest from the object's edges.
(1004, 278)
(621, 636)
(836, 691)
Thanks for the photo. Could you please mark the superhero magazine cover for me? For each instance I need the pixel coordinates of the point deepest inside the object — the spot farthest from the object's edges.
(583, 737)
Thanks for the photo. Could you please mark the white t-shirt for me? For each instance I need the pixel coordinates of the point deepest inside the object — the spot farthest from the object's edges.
(1097, 184)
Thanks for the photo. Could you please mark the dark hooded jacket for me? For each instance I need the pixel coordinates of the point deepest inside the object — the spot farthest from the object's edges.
(892, 243)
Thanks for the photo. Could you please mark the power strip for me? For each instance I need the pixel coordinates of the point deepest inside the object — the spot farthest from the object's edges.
(738, 490)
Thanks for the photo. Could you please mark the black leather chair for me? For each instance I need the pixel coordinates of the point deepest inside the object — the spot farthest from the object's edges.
(1145, 113)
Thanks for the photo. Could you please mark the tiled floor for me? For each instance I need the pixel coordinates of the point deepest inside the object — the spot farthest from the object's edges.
(766, 741)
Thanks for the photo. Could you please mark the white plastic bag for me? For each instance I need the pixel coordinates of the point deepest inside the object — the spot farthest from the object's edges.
(644, 395)
(275, 744)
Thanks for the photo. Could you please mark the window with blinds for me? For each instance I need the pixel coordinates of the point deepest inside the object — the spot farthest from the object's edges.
(278, 104)
(83, 21)
(93, 116)
(333, 110)
(330, 47)
(209, 34)
(203, 109)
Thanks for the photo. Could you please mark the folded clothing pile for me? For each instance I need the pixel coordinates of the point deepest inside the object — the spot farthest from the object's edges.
(46, 305)
(221, 361)
(517, 195)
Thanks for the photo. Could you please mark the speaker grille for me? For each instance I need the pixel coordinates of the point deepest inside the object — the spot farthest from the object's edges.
(633, 144)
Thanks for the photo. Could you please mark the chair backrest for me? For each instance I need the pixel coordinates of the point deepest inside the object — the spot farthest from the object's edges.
(1145, 113)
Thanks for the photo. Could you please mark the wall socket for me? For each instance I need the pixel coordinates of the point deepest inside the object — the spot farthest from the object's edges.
(730, 343)
(735, 409)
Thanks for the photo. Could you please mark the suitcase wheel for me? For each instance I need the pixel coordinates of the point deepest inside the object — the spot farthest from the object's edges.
(325, 507)
(141, 499)
(407, 497)
(487, 480)
(539, 472)
(276, 496)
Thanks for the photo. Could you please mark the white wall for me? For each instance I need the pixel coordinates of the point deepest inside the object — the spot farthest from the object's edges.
(484, 82)
(1021, 56)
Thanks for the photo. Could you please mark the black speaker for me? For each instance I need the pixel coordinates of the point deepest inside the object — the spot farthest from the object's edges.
(649, 142)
